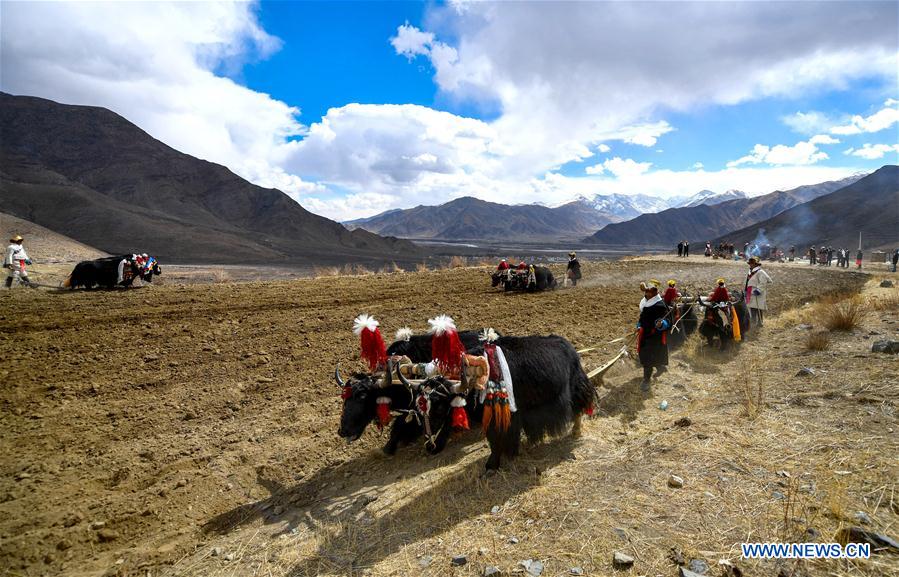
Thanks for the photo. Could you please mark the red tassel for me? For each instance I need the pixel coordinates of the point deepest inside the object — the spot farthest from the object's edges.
(373, 349)
(446, 348)
(460, 419)
(589, 410)
(347, 392)
(383, 411)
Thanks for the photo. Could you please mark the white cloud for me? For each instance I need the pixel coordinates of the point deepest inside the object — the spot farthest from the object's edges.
(698, 166)
(603, 148)
(880, 120)
(410, 41)
(549, 67)
(152, 64)
(809, 123)
(620, 167)
(805, 152)
(873, 151)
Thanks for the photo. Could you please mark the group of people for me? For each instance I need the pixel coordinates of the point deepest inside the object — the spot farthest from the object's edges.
(683, 248)
(16, 261)
(824, 256)
(658, 312)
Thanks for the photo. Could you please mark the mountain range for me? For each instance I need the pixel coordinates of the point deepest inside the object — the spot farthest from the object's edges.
(89, 174)
(704, 222)
(470, 218)
(869, 206)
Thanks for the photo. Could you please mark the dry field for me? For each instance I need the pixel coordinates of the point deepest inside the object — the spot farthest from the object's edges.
(191, 430)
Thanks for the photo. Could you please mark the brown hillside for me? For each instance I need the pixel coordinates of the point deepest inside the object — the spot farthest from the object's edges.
(92, 175)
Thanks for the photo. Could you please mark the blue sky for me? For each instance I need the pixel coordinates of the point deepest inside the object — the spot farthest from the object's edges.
(353, 108)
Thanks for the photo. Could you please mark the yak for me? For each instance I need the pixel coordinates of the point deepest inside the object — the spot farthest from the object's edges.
(711, 327)
(551, 392)
(105, 272)
(511, 280)
(361, 391)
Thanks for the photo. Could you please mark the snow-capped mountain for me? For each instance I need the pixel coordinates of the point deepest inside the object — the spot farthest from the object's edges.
(711, 198)
(626, 206)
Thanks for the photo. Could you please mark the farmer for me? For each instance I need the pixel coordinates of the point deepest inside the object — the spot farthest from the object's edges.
(652, 333)
(671, 293)
(756, 288)
(858, 258)
(574, 268)
(15, 261)
(895, 259)
(686, 248)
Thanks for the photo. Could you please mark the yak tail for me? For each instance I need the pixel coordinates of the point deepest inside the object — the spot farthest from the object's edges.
(487, 417)
(503, 418)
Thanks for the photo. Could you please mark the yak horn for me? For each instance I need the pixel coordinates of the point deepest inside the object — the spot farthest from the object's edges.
(337, 376)
(388, 378)
(403, 379)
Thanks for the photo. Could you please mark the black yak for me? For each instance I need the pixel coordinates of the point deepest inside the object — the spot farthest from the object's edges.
(511, 279)
(550, 388)
(712, 326)
(362, 391)
(106, 272)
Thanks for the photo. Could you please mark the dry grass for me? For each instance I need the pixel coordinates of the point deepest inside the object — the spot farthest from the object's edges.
(421, 267)
(888, 301)
(456, 262)
(220, 276)
(323, 271)
(817, 341)
(842, 314)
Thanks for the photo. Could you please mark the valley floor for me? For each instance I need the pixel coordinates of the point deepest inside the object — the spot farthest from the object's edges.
(191, 430)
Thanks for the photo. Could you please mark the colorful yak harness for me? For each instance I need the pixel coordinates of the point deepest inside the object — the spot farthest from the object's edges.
(498, 396)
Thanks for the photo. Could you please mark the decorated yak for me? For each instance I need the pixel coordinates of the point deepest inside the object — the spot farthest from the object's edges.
(113, 271)
(533, 384)
(378, 396)
(724, 321)
(532, 278)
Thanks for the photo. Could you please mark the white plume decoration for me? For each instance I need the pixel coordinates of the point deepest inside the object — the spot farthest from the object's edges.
(363, 322)
(488, 335)
(441, 324)
(404, 334)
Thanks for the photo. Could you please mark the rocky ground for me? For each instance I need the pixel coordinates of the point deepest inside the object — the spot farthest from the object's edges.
(191, 430)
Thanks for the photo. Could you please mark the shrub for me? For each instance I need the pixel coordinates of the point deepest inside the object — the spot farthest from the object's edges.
(844, 315)
(817, 341)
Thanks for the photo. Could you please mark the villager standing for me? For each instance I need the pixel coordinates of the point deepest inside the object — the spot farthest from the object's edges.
(574, 268)
(792, 252)
(811, 255)
(708, 248)
(686, 248)
(680, 249)
(895, 259)
(15, 262)
(652, 333)
(858, 258)
(756, 288)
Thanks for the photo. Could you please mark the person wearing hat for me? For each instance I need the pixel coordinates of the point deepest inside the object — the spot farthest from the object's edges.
(15, 261)
(574, 268)
(671, 293)
(756, 288)
(652, 333)
(720, 295)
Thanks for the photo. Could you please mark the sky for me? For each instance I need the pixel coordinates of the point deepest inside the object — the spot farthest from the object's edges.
(354, 108)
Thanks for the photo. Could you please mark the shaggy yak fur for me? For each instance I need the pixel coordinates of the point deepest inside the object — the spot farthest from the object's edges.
(360, 408)
(551, 391)
(105, 272)
(711, 324)
(544, 276)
